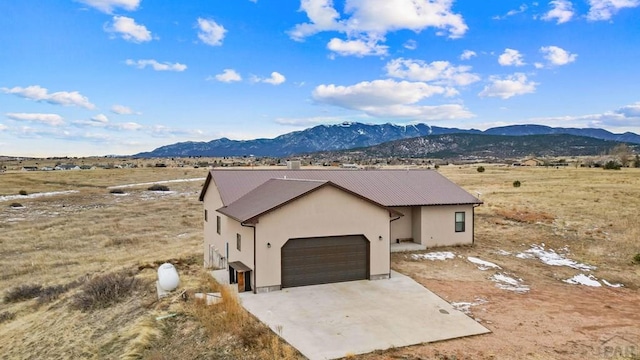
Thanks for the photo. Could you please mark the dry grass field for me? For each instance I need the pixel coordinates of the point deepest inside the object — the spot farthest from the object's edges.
(57, 249)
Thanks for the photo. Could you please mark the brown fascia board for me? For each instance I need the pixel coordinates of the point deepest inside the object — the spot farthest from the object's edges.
(205, 186)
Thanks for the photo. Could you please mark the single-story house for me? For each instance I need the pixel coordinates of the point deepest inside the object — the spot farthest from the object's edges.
(272, 229)
(532, 162)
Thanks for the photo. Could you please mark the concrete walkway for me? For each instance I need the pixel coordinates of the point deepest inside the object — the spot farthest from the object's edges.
(334, 320)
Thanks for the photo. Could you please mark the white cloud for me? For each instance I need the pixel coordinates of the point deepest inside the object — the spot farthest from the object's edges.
(100, 118)
(357, 48)
(130, 126)
(211, 33)
(157, 66)
(275, 79)
(228, 75)
(316, 120)
(390, 98)
(38, 93)
(123, 110)
(467, 54)
(129, 30)
(557, 56)
(49, 119)
(3, 127)
(561, 11)
(107, 6)
(438, 72)
(512, 85)
(366, 22)
(605, 9)
(632, 110)
(625, 118)
(517, 11)
(510, 57)
(410, 44)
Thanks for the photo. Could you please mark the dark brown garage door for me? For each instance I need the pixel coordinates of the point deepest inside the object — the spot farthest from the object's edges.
(323, 260)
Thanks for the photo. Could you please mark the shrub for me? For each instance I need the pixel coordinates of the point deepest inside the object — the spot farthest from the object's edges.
(436, 166)
(23, 192)
(158, 187)
(6, 316)
(116, 191)
(611, 165)
(480, 169)
(636, 258)
(22, 293)
(15, 205)
(105, 290)
(516, 183)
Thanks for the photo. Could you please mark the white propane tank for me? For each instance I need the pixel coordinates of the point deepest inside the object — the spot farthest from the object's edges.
(168, 277)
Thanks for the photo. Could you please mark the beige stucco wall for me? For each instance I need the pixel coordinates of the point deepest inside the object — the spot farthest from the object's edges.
(416, 224)
(246, 249)
(401, 228)
(437, 225)
(212, 240)
(324, 212)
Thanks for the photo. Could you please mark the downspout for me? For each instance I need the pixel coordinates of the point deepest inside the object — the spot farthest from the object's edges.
(390, 221)
(473, 223)
(255, 276)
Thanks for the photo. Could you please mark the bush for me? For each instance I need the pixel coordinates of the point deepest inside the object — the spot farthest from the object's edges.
(6, 316)
(116, 191)
(480, 169)
(611, 165)
(23, 192)
(22, 293)
(516, 183)
(15, 205)
(636, 258)
(436, 166)
(158, 187)
(105, 290)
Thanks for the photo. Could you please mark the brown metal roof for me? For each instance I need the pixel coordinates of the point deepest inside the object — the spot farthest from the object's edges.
(385, 187)
(275, 193)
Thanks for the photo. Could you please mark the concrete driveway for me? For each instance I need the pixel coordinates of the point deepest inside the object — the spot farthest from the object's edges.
(334, 320)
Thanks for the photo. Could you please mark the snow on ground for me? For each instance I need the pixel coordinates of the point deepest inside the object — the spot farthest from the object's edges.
(153, 183)
(440, 255)
(502, 252)
(582, 279)
(465, 307)
(483, 265)
(506, 282)
(36, 195)
(612, 285)
(550, 257)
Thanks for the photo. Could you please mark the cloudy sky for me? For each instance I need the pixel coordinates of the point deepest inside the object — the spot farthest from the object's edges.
(97, 77)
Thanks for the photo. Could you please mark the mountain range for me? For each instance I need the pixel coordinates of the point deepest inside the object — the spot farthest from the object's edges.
(349, 135)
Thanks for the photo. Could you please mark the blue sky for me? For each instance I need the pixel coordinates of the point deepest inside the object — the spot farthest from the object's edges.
(97, 77)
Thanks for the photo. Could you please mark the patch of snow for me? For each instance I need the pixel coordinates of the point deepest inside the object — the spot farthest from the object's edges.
(154, 182)
(36, 195)
(550, 257)
(440, 255)
(508, 283)
(582, 279)
(612, 285)
(465, 307)
(483, 265)
(502, 252)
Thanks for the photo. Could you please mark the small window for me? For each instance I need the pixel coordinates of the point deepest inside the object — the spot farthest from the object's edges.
(218, 224)
(206, 215)
(460, 222)
(238, 242)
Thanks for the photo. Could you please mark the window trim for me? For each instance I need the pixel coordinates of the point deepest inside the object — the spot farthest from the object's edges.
(218, 225)
(238, 242)
(460, 225)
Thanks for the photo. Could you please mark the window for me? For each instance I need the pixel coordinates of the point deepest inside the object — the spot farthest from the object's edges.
(460, 222)
(218, 224)
(238, 242)
(206, 215)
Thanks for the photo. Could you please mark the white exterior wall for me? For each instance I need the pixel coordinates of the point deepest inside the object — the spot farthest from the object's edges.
(437, 225)
(213, 241)
(325, 212)
(401, 228)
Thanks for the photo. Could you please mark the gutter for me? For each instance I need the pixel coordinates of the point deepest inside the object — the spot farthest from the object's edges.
(255, 276)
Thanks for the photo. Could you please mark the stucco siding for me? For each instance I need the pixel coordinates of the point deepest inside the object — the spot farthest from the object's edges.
(401, 228)
(325, 212)
(416, 224)
(212, 240)
(438, 225)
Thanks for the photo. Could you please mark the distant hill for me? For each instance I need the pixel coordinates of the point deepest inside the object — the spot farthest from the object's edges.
(482, 147)
(355, 135)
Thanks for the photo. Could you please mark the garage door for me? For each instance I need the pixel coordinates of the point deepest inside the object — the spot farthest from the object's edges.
(322, 260)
